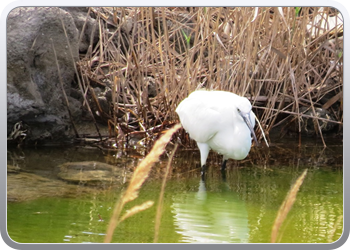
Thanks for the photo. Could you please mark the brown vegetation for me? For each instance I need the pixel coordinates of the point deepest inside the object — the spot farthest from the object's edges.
(288, 61)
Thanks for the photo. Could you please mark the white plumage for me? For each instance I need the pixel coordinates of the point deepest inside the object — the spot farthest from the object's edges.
(218, 120)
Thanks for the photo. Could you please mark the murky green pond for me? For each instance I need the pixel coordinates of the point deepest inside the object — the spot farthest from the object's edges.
(242, 208)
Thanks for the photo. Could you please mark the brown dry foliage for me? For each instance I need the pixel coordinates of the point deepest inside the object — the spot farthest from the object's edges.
(281, 58)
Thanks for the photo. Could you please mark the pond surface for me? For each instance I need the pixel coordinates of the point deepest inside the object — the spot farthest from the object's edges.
(240, 208)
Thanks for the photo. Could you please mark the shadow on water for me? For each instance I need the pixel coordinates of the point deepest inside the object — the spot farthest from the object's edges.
(241, 208)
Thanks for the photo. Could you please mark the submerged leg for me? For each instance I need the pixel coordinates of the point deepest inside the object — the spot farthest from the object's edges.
(223, 170)
(203, 171)
(223, 165)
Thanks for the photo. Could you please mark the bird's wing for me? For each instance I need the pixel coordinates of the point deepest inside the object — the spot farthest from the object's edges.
(199, 119)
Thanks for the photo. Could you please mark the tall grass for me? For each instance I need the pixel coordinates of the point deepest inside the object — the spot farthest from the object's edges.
(138, 178)
(286, 206)
(283, 59)
(161, 196)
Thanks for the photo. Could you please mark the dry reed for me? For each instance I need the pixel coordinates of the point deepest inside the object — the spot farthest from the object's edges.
(336, 225)
(138, 178)
(286, 206)
(161, 195)
(86, 103)
(62, 89)
(286, 60)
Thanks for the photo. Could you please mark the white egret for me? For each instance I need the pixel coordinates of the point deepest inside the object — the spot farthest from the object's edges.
(218, 120)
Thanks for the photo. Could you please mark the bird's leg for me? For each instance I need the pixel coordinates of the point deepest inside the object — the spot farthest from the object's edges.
(203, 170)
(223, 175)
(204, 151)
(223, 170)
(223, 165)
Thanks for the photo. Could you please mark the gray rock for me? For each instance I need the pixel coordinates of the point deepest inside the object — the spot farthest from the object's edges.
(90, 31)
(24, 186)
(309, 126)
(34, 92)
(93, 173)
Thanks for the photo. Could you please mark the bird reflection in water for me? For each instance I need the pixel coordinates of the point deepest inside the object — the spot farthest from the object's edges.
(211, 216)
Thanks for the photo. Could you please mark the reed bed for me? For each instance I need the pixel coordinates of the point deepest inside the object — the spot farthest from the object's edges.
(287, 61)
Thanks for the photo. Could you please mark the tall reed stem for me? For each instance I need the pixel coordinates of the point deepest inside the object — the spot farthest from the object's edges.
(138, 178)
(286, 206)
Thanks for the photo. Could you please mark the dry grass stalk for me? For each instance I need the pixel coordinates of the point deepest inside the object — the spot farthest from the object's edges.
(63, 91)
(286, 206)
(332, 232)
(138, 178)
(78, 78)
(136, 209)
(161, 195)
(142, 170)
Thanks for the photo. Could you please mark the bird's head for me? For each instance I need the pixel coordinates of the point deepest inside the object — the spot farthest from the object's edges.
(244, 108)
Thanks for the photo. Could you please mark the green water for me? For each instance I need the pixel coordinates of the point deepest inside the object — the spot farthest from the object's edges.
(241, 208)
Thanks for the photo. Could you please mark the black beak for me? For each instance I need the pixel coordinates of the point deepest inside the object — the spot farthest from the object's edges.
(246, 119)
